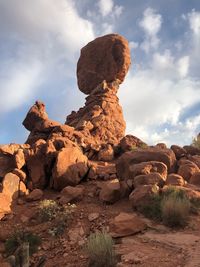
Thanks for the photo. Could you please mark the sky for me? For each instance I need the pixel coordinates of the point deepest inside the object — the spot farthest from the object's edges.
(40, 44)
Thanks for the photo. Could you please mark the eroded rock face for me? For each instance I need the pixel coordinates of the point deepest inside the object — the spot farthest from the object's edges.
(105, 58)
(101, 118)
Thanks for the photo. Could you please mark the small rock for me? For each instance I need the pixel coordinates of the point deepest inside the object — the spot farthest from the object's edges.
(36, 194)
(93, 216)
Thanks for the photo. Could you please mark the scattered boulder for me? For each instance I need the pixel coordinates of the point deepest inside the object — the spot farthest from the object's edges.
(161, 145)
(110, 191)
(105, 58)
(126, 224)
(93, 216)
(149, 179)
(192, 150)
(71, 194)
(106, 153)
(35, 195)
(142, 195)
(70, 167)
(175, 180)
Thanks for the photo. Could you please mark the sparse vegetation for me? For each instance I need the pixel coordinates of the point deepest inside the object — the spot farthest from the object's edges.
(172, 207)
(20, 240)
(196, 141)
(175, 210)
(59, 215)
(47, 210)
(100, 248)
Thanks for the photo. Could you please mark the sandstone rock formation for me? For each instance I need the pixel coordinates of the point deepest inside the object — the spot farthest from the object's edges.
(105, 58)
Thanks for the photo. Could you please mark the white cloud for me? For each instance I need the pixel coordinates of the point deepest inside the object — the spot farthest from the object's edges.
(133, 45)
(194, 20)
(183, 66)
(47, 35)
(151, 24)
(105, 7)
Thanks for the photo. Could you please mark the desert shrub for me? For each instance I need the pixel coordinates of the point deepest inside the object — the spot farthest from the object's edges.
(175, 210)
(47, 210)
(152, 210)
(196, 141)
(20, 237)
(100, 248)
(63, 218)
(172, 207)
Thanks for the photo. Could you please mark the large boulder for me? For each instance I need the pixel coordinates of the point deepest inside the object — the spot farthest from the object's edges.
(5, 205)
(105, 58)
(178, 151)
(71, 194)
(70, 167)
(175, 179)
(110, 191)
(165, 156)
(195, 179)
(149, 179)
(35, 115)
(142, 195)
(187, 168)
(127, 170)
(192, 150)
(130, 142)
(126, 224)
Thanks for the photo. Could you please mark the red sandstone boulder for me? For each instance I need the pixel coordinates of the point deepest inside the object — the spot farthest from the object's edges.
(161, 145)
(175, 179)
(130, 142)
(36, 114)
(11, 184)
(5, 205)
(126, 224)
(142, 195)
(70, 167)
(71, 194)
(178, 151)
(126, 170)
(195, 179)
(187, 169)
(35, 195)
(149, 179)
(165, 156)
(195, 159)
(105, 58)
(106, 153)
(191, 150)
(110, 191)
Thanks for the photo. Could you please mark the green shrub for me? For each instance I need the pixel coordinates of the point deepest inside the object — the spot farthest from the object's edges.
(100, 248)
(152, 210)
(62, 219)
(20, 237)
(47, 210)
(172, 207)
(175, 210)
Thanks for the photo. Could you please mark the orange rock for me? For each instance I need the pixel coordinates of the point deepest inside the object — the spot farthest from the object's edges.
(36, 194)
(110, 191)
(130, 142)
(5, 203)
(187, 168)
(70, 167)
(195, 178)
(175, 179)
(11, 185)
(126, 224)
(105, 58)
(71, 194)
(149, 179)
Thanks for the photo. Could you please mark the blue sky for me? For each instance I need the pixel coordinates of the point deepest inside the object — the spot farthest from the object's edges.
(40, 42)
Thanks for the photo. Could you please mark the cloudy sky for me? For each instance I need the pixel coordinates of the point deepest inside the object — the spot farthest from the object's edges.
(40, 43)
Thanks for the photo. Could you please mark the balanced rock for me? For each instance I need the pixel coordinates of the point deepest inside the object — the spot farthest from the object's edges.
(105, 58)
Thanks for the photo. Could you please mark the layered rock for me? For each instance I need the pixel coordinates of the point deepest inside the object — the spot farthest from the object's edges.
(101, 116)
